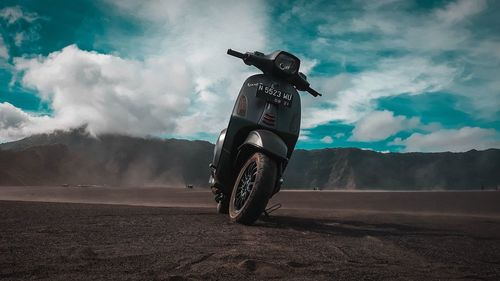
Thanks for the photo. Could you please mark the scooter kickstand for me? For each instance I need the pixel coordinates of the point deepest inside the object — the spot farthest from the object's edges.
(268, 211)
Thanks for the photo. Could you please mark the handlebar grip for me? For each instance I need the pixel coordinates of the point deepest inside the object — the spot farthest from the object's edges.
(236, 54)
(313, 92)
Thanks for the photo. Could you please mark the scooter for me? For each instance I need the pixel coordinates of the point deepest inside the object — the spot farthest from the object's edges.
(252, 153)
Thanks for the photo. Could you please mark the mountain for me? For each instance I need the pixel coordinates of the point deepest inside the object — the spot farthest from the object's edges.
(362, 169)
(75, 157)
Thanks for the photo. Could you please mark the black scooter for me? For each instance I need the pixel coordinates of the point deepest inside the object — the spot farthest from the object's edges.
(251, 154)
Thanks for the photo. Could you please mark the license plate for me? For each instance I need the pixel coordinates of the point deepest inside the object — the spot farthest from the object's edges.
(274, 96)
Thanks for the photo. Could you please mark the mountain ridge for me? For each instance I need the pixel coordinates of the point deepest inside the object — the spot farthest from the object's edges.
(75, 157)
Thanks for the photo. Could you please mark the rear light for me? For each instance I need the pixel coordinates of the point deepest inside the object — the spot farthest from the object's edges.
(242, 106)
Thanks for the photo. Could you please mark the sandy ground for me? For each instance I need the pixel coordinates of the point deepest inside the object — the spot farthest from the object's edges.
(315, 236)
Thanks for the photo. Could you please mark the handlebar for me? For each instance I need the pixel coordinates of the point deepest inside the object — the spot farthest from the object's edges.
(313, 92)
(236, 54)
(260, 62)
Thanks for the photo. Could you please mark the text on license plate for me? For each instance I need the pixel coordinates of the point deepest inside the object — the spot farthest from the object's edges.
(274, 96)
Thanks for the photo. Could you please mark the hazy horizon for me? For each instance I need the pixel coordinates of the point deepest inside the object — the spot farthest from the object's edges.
(152, 137)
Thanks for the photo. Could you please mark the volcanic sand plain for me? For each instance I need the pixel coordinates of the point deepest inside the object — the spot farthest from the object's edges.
(112, 233)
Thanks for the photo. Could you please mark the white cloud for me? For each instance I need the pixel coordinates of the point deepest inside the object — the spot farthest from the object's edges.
(351, 97)
(460, 10)
(304, 135)
(379, 125)
(399, 26)
(200, 33)
(19, 38)
(4, 52)
(184, 84)
(454, 140)
(11, 116)
(306, 65)
(339, 135)
(15, 123)
(420, 41)
(19, 33)
(16, 13)
(106, 92)
(327, 139)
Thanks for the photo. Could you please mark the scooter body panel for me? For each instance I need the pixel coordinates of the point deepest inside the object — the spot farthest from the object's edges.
(218, 147)
(268, 142)
(253, 113)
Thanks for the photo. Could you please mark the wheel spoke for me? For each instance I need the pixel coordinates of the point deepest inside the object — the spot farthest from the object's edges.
(248, 172)
(245, 185)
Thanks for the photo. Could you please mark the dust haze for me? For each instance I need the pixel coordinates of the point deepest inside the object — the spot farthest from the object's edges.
(74, 157)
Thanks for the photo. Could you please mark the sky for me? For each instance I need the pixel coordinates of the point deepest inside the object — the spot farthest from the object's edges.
(401, 76)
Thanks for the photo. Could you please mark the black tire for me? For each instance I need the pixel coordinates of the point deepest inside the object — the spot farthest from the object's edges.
(252, 189)
(223, 206)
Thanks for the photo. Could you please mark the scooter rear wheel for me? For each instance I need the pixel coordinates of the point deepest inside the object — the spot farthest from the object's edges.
(252, 189)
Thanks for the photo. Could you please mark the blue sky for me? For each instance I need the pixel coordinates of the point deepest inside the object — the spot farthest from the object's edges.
(396, 75)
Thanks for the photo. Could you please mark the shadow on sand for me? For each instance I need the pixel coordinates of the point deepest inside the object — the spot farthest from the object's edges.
(352, 228)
